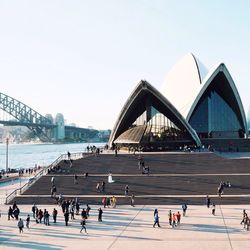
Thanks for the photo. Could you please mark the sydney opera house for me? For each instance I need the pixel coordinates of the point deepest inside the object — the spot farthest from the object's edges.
(194, 107)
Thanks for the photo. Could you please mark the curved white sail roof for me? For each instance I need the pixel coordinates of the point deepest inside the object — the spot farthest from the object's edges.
(221, 67)
(131, 106)
(183, 83)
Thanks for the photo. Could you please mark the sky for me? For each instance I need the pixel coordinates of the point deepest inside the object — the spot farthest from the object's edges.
(83, 58)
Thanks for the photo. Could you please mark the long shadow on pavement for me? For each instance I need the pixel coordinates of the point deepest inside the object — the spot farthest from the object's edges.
(5, 241)
(208, 228)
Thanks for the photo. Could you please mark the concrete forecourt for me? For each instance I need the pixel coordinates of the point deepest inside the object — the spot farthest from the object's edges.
(126, 227)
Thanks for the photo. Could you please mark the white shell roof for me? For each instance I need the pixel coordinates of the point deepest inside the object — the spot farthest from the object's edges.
(183, 83)
(143, 85)
(206, 82)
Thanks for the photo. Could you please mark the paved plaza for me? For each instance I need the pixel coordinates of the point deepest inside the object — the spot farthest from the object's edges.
(128, 227)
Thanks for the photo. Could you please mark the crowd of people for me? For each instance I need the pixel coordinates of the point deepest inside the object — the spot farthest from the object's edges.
(13, 212)
(70, 209)
(109, 202)
(20, 172)
(93, 149)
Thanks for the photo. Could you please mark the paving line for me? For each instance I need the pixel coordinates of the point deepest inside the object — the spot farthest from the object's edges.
(125, 228)
(228, 236)
(141, 196)
(156, 175)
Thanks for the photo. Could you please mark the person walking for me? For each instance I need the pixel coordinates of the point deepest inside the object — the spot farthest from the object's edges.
(156, 219)
(75, 179)
(97, 187)
(126, 190)
(69, 154)
(208, 201)
(100, 214)
(77, 207)
(72, 213)
(213, 209)
(28, 221)
(53, 181)
(83, 223)
(245, 221)
(37, 215)
(14, 206)
(103, 186)
(170, 217)
(40, 215)
(174, 220)
(66, 217)
(54, 214)
(155, 211)
(220, 189)
(113, 201)
(16, 212)
(104, 201)
(84, 214)
(184, 209)
(108, 201)
(46, 216)
(178, 218)
(20, 225)
(88, 210)
(10, 213)
(60, 199)
(132, 200)
(244, 218)
(34, 211)
(53, 192)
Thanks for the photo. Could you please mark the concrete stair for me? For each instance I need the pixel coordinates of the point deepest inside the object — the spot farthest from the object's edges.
(170, 174)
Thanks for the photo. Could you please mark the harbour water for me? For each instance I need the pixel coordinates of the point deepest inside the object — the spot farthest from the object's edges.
(27, 155)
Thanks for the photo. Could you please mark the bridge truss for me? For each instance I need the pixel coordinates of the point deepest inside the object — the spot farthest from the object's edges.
(25, 116)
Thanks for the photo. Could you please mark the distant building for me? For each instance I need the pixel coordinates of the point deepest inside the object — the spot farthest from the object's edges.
(60, 129)
(104, 135)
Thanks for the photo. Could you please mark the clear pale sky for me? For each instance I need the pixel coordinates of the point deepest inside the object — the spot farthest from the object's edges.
(83, 58)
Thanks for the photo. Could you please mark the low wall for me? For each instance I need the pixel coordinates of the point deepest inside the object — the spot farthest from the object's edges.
(7, 179)
(228, 145)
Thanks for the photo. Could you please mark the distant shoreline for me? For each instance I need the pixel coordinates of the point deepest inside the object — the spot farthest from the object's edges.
(51, 143)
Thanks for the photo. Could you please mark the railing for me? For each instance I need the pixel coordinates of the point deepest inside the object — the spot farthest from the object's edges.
(42, 172)
(22, 189)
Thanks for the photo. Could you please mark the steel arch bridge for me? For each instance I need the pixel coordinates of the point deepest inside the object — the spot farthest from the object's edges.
(26, 116)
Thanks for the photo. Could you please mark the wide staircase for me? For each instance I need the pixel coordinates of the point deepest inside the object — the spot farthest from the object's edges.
(174, 178)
